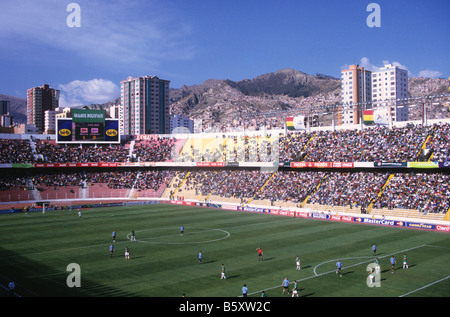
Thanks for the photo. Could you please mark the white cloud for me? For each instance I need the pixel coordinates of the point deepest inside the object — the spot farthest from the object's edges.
(366, 63)
(80, 92)
(430, 73)
(127, 34)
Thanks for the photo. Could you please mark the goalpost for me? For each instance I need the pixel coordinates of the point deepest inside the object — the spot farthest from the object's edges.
(43, 207)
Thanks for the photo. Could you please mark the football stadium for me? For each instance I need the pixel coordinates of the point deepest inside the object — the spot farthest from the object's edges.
(334, 212)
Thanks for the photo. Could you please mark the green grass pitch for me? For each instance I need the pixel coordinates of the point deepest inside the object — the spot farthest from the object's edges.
(36, 249)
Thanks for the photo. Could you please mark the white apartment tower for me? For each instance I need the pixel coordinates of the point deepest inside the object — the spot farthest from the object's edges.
(390, 91)
(144, 106)
(356, 94)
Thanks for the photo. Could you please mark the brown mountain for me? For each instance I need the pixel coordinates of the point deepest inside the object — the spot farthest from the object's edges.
(17, 107)
(225, 103)
(262, 100)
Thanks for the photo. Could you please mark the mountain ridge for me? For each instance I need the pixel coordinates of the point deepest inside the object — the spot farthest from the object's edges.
(224, 103)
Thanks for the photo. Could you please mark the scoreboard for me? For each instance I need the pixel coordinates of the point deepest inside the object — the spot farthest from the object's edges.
(87, 126)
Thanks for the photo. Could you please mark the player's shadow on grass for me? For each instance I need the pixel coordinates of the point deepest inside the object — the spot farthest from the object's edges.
(210, 261)
(305, 267)
(348, 272)
(300, 292)
(268, 259)
(136, 257)
(233, 276)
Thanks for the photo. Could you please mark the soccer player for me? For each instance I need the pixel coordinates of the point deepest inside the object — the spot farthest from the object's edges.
(377, 266)
(374, 249)
(295, 289)
(111, 250)
(260, 254)
(222, 274)
(200, 257)
(393, 262)
(127, 253)
(339, 267)
(79, 214)
(133, 236)
(371, 276)
(244, 290)
(114, 235)
(285, 285)
(297, 262)
(181, 230)
(405, 261)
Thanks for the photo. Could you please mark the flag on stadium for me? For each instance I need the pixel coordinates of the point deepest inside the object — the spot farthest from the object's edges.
(368, 117)
(296, 123)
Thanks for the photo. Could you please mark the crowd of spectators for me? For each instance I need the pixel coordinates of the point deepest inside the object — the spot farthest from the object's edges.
(355, 189)
(15, 151)
(439, 143)
(154, 179)
(204, 182)
(11, 182)
(50, 152)
(371, 144)
(112, 179)
(156, 150)
(368, 145)
(291, 186)
(242, 184)
(418, 191)
(426, 192)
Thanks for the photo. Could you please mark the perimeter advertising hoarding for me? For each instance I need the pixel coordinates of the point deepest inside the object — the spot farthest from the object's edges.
(323, 216)
(322, 164)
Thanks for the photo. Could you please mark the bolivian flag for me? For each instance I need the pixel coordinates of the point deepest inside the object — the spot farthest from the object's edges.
(368, 117)
(296, 123)
(290, 123)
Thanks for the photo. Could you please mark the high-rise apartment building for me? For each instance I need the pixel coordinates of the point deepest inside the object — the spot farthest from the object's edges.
(144, 106)
(4, 107)
(390, 91)
(6, 118)
(39, 100)
(356, 94)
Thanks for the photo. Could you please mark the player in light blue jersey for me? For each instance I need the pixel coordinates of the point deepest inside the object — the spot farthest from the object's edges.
(111, 250)
(339, 267)
(393, 263)
(285, 285)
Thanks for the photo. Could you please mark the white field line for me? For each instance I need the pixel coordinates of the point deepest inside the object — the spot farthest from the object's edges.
(317, 275)
(421, 288)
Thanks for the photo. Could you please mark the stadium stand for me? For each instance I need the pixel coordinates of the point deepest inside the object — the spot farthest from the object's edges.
(384, 191)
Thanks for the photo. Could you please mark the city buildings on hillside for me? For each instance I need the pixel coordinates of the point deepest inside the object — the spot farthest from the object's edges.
(356, 90)
(181, 124)
(385, 89)
(6, 119)
(389, 88)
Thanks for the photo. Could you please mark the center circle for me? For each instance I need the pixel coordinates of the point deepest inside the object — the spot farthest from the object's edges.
(192, 236)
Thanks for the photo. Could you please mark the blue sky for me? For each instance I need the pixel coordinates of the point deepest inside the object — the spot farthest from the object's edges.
(190, 41)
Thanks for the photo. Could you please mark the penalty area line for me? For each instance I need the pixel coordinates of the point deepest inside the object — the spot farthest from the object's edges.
(423, 287)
